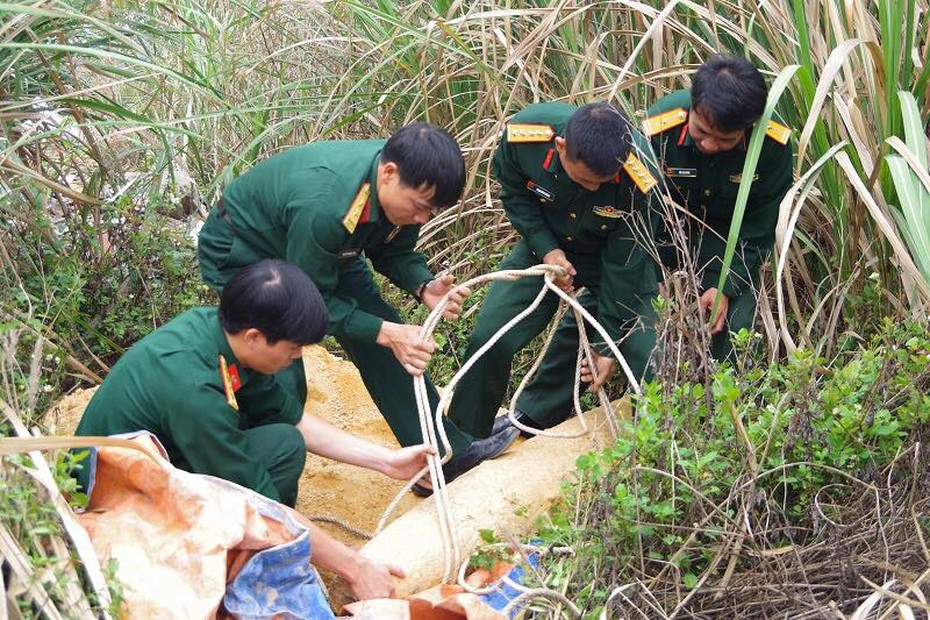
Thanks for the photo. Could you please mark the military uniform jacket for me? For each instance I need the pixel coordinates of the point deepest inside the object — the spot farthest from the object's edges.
(707, 186)
(601, 232)
(172, 383)
(316, 206)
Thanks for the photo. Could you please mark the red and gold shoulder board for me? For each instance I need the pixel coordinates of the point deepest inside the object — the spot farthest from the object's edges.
(230, 376)
(639, 173)
(529, 132)
(357, 208)
(778, 132)
(664, 121)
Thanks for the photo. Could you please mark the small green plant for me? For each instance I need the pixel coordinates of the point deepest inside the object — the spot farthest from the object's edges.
(493, 552)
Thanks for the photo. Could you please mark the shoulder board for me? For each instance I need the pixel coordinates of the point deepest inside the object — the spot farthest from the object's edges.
(529, 132)
(350, 221)
(778, 132)
(664, 121)
(639, 173)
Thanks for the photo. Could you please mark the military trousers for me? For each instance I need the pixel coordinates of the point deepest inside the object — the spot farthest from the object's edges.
(548, 396)
(390, 386)
(549, 399)
(281, 449)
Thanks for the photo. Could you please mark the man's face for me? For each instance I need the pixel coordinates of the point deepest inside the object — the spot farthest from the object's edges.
(271, 358)
(708, 139)
(578, 171)
(403, 205)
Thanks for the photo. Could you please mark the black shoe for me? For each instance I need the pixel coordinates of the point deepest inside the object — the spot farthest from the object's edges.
(479, 450)
(502, 422)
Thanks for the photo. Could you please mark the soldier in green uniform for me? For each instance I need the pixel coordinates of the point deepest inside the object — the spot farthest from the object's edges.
(203, 384)
(574, 188)
(700, 138)
(327, 207)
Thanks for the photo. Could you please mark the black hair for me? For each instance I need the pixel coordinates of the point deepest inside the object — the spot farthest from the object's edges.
(427, 155)
(277, 299)
(729, 92)
(598, 135)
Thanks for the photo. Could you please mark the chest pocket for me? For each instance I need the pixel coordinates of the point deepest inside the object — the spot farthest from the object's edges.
(684, 190)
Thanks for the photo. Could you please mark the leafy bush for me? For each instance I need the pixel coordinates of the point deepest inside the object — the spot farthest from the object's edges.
(771, 454)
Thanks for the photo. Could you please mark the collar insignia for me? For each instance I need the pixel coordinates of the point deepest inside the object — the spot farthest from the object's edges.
(230, 376)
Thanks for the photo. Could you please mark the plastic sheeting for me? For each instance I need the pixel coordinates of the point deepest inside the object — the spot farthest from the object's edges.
(193, 546)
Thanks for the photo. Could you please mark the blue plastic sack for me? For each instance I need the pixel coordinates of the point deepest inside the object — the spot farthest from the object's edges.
(505, 592)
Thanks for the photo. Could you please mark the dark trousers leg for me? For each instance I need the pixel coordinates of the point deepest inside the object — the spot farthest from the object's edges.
(548, 399)
(281, 449)
(390, 386)
(481, 390)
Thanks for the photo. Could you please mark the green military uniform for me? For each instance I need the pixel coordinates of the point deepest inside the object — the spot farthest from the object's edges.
(183, 384)
(600, 233)
(316, 206)
(707, 185)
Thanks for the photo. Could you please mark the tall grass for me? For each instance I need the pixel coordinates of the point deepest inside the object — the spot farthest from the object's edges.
(159, 105)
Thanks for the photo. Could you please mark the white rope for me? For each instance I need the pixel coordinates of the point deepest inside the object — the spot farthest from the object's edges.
(431, 422)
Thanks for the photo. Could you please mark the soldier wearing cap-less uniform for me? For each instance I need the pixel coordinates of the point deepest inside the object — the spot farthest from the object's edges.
(577, 192)
(700, 138)
(183, 383)
(327, 207)
(203, 385)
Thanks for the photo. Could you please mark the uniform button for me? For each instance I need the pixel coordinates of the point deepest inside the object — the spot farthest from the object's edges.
(707, 192)
(572, 215)
(569, 239)
(603, 226)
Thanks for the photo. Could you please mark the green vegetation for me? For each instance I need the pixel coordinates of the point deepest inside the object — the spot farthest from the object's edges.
(121, 121)
(712, 482)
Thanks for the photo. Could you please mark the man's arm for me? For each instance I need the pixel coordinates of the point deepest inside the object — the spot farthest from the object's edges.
(324, 439)
(367, 579)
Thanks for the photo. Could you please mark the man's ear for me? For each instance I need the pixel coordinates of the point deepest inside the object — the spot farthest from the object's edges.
(560, 146)
(387, 171)
(253, 336)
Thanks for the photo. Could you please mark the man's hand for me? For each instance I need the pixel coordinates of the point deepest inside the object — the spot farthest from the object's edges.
(373, 580)
(603, 368)
(436, 289)
(405, 463)
(706, 303)
(557, 258)
(404, 342)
